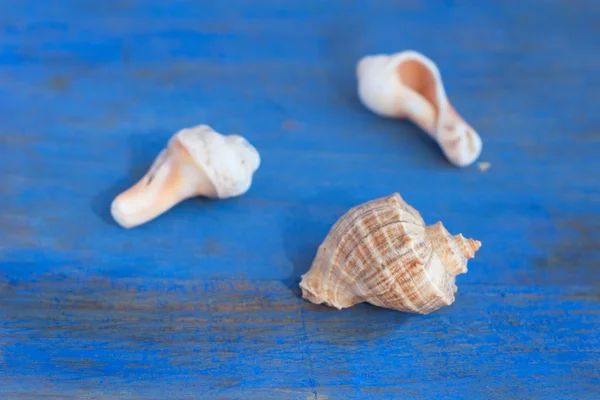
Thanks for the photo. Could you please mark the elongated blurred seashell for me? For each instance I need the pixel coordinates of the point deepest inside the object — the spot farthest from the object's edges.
(196, 162)
(382, 253)
(409, 85)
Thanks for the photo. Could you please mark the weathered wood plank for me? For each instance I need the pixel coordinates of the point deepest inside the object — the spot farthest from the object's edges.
(258, 339)
(204, 302)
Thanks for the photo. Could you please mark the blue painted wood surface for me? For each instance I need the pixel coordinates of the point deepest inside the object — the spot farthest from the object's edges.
(204, 301)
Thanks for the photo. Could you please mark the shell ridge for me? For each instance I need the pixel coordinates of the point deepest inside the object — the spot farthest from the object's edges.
(408, 303)
(428, 252)
(362, 211)
(357, 212)
(341, 227)
(401, 203)
(369, 234)
(437, 290)
(412, 278)
(351, 254)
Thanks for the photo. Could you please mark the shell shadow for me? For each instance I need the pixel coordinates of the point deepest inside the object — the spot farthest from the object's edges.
(355, 326)
(143, 149)
(307, 223)
(305, 226)
(342, 47)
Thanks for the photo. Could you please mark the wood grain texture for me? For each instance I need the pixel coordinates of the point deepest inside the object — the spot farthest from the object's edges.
(204, 302)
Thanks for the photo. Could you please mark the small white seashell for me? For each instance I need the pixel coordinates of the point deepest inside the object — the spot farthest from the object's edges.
(197, 161)
(409, 85)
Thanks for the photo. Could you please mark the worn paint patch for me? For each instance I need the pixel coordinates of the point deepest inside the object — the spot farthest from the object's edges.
(575, 247)
(190, 326)
(60, 82)
(212, 246)
(523, 325)
(317, 397)
(290, 124)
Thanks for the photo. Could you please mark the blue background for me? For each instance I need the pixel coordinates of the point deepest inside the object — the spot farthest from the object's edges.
(204, 302)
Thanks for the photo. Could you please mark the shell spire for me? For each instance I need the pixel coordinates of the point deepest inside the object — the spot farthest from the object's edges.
(453, 251)
(468, 246)
(382, 253)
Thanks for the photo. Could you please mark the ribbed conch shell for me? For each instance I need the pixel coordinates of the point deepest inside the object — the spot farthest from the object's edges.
(382, 253)
(409, 85)
(197, 161)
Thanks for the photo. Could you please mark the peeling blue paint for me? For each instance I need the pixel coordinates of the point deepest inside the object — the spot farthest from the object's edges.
(203, 302)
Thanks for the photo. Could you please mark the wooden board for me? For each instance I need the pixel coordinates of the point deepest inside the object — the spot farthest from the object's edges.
(204, 302)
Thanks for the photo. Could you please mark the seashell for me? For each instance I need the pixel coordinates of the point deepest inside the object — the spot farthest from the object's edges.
(381, 252)
(409, 85)
(197, 161)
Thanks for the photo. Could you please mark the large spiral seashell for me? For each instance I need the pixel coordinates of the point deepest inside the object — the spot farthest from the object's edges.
(382, 253)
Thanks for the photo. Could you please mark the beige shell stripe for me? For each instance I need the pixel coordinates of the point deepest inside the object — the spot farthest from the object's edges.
(366, 234)
(358, 212)
(412, 249)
